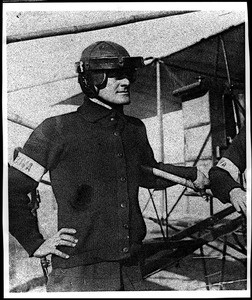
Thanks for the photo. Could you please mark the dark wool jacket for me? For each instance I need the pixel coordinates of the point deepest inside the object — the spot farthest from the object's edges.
(94, 158)
(221, 180)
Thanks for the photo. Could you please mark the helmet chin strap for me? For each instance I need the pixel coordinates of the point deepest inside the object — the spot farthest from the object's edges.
(96, 100)
(109, 105)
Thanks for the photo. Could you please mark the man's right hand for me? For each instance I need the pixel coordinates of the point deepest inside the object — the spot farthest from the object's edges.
(238, 199)
(62, 238)
(201, 183)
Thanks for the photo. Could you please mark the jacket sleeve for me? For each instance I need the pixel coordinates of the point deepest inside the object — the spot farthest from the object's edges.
(236, 152)
(23, 225)
(222, 183)
(39, 154)
(225, 175)
(152, 181)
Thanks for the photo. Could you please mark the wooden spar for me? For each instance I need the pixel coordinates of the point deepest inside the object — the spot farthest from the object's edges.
(160, 127)
(160, 114)
(92, 26)
(178, 249)
(229, 83)
(173, 178)
(210, 221)
(15, 118)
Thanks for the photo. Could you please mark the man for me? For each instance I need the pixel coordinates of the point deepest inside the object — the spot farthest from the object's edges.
(94, 156)
(225, 177)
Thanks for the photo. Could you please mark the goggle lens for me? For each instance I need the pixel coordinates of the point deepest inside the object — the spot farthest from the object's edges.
(118, 74)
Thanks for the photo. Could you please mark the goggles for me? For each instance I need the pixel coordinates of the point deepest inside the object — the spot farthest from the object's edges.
(118, 74)
(109, 63)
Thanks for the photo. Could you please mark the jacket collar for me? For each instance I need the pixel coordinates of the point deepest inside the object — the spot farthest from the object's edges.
(93, 112)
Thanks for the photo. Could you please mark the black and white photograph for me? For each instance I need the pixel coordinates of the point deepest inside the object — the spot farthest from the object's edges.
(126, 150)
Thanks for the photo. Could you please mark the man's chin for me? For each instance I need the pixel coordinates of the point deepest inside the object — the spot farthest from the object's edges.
(127, 103)
(124, 100)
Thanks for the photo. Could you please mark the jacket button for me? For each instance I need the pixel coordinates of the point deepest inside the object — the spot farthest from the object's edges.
(123, 205)
(119, 154)
(116, 133)
(123, 179)
(126, 226)
(125, 250)
(112, 119)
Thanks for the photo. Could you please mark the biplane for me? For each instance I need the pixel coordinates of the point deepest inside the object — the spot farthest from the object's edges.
(203, 80)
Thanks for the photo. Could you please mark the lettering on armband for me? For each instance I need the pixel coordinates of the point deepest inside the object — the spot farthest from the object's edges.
(28, 166)
(227, 165)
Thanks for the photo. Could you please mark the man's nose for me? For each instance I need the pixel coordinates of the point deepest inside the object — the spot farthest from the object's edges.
(125, 81)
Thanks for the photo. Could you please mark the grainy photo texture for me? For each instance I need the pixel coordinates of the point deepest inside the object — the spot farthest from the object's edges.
(125, 163)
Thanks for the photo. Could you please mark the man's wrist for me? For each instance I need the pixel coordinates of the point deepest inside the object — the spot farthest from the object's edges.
(234, 191)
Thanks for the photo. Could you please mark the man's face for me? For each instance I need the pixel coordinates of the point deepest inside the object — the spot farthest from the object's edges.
(117, 90)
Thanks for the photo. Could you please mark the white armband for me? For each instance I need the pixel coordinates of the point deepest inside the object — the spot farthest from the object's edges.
(226, 164)
(28, 166)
